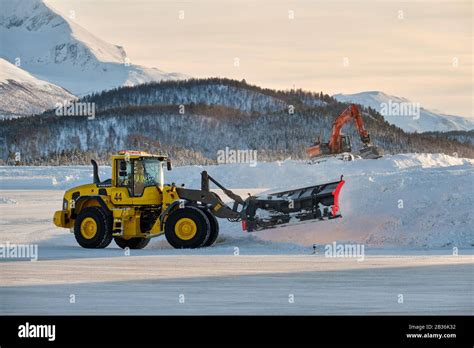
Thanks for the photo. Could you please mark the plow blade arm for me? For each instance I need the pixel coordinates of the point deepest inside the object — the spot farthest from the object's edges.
(211, 200)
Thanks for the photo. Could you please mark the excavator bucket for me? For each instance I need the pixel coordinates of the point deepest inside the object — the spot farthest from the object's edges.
(371, 152)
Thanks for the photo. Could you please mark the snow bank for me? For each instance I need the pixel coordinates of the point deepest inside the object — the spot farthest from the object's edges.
(6, 200)
(415, 200)
(429, 161)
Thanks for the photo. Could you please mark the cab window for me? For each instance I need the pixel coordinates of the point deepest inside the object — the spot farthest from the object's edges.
(139, 173)
(124, 174)
(147, 172)
(139, 178)
(154, 172)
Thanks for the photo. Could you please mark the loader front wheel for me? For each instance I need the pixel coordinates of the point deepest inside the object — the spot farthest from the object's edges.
(92, 228)
(187, 228)
(132, 243)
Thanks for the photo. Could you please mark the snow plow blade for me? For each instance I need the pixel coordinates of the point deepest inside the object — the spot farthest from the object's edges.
(256, 213)
(317, 202)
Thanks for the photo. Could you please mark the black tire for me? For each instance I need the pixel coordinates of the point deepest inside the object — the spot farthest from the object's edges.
(103, 234)
(201, 225)
(214, 233)
(132, 243)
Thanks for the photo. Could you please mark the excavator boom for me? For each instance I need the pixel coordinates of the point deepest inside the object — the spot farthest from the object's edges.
(338, 143)
(351, 112)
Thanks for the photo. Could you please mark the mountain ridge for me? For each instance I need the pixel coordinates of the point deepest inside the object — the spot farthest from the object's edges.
(179, 118)
(21, 94)
(54, 48)
(422, 121)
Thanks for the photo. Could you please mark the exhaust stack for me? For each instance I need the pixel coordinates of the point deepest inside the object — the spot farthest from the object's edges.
(95, 172)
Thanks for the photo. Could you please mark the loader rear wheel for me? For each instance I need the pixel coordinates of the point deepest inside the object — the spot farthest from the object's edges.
(92, 228)
(214, 233)
(132, 243)
(187, 228)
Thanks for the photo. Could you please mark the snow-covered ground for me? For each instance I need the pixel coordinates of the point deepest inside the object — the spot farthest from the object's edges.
(411, 213)
(227, 284)
(413, 200)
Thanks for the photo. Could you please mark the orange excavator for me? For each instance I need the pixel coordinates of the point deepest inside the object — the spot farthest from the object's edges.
(340, 143)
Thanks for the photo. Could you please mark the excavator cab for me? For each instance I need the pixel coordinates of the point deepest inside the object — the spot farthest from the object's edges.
(345, 142)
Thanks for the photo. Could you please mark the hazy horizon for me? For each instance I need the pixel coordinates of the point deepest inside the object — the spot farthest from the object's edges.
(306, 44)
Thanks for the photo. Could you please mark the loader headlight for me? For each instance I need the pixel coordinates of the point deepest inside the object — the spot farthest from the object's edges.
(64, 204)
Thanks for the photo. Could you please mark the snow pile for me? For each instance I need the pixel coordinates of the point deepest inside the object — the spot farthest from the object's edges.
(430, 161)
(44, 178)
(6, 200)
(411, 200)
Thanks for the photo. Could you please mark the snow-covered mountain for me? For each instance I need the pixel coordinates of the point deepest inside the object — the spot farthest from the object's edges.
(53, 48)
(22, 94)
(207, 116)
(410, 117)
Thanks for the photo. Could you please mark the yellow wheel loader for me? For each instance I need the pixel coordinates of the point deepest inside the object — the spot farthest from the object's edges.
(136, 205)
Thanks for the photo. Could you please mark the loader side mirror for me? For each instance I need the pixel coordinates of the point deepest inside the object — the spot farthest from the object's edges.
(168, 164)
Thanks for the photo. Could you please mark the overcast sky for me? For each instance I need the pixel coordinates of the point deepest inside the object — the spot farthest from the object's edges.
(419, 50)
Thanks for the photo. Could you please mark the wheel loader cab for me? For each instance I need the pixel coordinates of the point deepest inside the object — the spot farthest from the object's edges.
(137, 178)
(139, 173)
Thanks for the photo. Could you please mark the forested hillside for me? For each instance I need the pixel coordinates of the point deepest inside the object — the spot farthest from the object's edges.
(192, 120)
